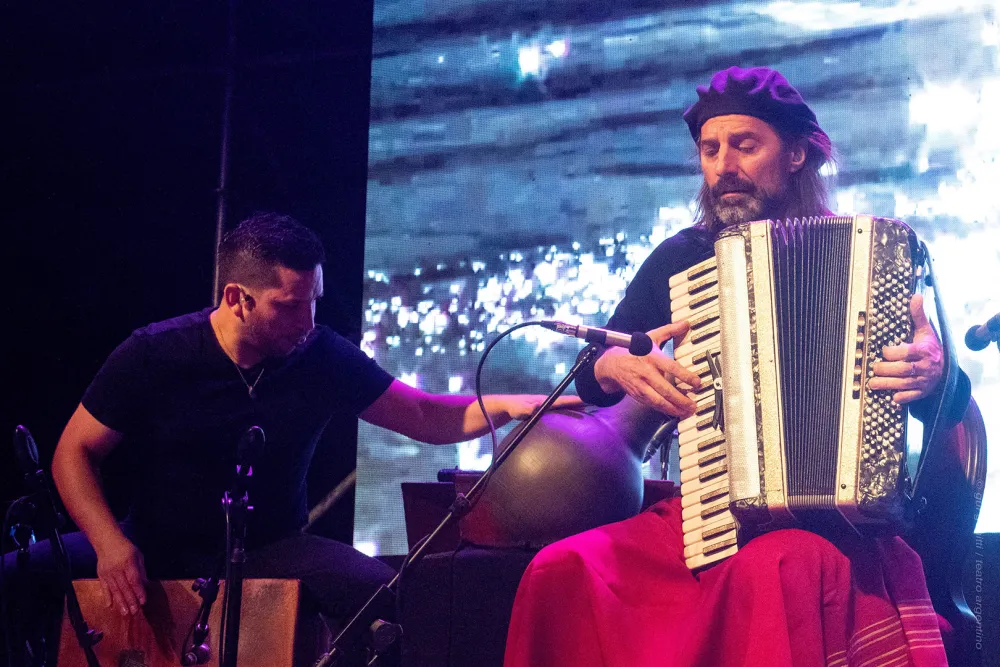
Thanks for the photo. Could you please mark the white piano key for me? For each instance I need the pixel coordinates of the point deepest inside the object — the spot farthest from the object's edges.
(704, 409)
(706, 478)
(713, 438)
(697, 452)
(694, 306)
(694, 363)
(694, 428)
(695, 287)
(694, 342)
(702, 560)
(706, 515)
(697, 509)
(701, 546)
(691, 466)
(710, 529)
(707, 495)
(696, 435)
(699, 270)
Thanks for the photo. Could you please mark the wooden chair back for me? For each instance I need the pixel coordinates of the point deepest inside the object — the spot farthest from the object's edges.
(951, 494)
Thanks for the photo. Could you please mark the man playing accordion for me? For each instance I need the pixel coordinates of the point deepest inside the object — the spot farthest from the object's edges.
(622, 594)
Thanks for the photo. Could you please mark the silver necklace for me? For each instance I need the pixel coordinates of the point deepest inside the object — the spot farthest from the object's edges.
(250, 387)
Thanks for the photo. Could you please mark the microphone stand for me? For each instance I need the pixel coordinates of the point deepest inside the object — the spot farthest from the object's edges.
(22, 517)
(237, 507)
(86, 637)
(383, 635)
(22, 529)
(199, 651)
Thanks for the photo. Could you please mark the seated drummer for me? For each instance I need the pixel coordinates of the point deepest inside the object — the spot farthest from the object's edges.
(622, 594)
(182, 392)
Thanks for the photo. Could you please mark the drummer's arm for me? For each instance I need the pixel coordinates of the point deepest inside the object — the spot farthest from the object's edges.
(442, 419)
(84, 444)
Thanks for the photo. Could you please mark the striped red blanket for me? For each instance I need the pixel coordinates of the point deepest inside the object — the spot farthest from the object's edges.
(620, 595)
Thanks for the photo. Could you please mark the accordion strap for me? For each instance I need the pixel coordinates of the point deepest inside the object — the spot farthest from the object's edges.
(935, 431)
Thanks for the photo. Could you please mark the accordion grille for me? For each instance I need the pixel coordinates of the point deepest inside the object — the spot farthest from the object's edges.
(810, 259)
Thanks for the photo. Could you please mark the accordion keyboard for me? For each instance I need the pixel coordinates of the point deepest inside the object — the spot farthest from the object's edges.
(708, 526)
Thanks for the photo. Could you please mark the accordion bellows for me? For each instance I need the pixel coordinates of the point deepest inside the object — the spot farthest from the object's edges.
(787, 321)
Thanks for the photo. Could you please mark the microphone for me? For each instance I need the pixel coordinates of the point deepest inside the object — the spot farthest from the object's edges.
(978, 337)
(26, 453)
(638, 343)
(24, 520)
(248, 450)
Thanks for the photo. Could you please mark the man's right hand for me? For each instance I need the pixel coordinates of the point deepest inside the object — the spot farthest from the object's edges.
(122, 573)
(85, 442)
(650, 379)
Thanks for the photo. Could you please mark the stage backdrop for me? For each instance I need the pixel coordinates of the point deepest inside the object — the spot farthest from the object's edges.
(525, 157)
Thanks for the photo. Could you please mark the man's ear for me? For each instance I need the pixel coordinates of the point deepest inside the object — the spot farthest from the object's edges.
(798, 156)
(234, 298)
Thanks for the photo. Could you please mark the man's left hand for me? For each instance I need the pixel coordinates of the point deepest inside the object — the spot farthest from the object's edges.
(912, 370)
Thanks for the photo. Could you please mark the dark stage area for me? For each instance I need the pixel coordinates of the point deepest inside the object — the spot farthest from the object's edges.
(506, 161)
(112, 160)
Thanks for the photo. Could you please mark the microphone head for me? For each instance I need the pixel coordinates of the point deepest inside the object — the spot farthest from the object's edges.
(249, 449)
(974, 341)
(641, 344)
(25, 450)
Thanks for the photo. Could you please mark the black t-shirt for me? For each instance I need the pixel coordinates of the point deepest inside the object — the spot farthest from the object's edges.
(182, 406)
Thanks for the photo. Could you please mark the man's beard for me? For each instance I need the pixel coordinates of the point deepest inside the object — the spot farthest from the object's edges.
(753, 203)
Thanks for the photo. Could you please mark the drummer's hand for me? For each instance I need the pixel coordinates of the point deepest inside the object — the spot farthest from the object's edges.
(522, 406)
(122, 573)
(912, 370)
(650, 379)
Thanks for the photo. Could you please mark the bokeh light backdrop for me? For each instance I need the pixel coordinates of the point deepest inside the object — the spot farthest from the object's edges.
(525, 157)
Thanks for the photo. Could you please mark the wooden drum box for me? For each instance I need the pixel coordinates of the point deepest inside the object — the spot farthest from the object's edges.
(275, 630)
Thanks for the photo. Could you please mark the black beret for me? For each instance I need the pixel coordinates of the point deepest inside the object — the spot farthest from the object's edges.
(759, 92)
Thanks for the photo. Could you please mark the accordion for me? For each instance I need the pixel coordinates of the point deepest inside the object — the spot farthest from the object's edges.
(787, 321)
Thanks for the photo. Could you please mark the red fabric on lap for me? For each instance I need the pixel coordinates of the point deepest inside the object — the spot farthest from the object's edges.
(622, 595)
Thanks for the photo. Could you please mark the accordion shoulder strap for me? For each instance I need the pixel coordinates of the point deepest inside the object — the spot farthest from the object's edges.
(947, 491)
(935, 430)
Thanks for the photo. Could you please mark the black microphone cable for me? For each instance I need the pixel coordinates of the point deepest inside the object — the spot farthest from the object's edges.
(4, 593)
(488, 472)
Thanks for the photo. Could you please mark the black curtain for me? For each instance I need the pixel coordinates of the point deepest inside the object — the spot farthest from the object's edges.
(111, 162)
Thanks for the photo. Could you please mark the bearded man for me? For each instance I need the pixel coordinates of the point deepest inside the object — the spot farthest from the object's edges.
(622, 594)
